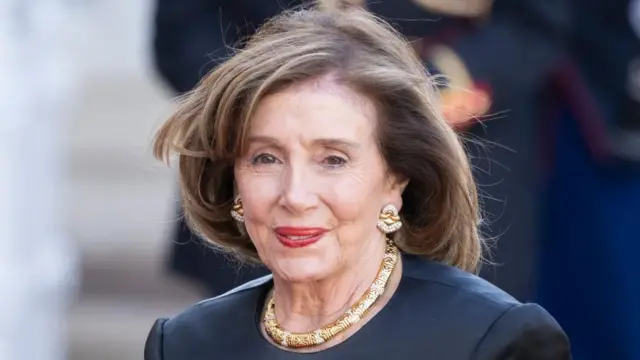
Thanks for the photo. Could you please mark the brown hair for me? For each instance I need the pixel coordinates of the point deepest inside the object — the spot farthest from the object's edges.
(440, 207)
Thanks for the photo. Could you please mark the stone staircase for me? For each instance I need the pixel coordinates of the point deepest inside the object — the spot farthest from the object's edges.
(121, 202)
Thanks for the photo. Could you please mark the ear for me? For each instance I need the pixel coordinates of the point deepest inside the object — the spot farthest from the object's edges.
(396, 186)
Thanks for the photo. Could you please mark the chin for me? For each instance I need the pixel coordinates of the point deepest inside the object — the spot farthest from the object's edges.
(304, 269)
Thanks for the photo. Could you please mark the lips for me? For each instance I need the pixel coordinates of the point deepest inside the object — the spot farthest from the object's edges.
(296, 237)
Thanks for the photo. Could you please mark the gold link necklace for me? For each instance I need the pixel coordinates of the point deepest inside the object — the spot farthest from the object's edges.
(348, 319)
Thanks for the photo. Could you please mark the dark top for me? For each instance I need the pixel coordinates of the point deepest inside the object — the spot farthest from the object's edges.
(438, 312)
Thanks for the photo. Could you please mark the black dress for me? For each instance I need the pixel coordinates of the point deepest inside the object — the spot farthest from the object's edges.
(437, 312)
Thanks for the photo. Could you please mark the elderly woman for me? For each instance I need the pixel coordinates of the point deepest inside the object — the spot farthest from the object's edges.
(320, 151)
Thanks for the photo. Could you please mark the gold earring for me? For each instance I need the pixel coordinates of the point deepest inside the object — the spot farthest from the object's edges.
(389, 219)
(237, 212)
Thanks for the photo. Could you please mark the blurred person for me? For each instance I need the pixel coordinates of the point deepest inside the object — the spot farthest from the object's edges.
(590, 279)
(321, 151)
(37, 262)
(190, 38)
(580, 91)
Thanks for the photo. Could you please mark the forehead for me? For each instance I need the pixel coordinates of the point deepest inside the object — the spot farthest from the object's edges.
(315, 109)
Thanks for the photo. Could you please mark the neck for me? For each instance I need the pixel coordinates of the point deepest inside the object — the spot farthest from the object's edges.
(304, 307)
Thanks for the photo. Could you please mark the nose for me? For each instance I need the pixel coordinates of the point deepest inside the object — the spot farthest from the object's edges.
(299, 192)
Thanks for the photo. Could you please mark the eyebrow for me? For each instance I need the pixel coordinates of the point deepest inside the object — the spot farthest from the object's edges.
(337, 143)
(326, 142)
(267, 140)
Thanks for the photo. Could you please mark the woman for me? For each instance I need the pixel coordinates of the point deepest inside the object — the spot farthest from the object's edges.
(320, 151)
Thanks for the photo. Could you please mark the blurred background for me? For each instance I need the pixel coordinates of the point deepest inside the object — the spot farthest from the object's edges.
(120, 200)
(116, 200)
(91, 247)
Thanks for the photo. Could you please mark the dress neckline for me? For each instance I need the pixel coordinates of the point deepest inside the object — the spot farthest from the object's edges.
(410, 263)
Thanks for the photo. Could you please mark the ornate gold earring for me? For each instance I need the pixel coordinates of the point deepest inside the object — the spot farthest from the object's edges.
(389, 219)
(237, 212)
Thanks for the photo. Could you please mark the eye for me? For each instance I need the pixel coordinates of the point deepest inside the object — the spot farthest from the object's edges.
(264, 159)
(334, 161)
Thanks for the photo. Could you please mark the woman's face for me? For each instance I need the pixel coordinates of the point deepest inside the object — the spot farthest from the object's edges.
(313, 181)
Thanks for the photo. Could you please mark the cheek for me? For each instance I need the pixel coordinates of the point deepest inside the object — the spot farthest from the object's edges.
(354, 198)
(259, 195)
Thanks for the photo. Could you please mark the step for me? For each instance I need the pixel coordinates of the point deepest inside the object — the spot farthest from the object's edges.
(116, 328)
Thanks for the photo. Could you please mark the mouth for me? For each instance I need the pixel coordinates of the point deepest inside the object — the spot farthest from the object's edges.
(297, 237)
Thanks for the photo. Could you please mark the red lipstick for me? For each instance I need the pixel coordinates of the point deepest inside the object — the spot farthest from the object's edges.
(296, 237)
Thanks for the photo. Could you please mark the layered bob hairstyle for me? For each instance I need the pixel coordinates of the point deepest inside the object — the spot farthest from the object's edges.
(208, 131)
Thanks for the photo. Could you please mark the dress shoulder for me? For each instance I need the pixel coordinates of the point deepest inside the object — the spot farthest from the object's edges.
(153, 345)
(485, 321)
(524, 332)
(179, 337)
(455, 281)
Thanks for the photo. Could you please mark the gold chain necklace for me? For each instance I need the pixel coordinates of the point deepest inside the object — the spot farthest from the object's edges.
(348, 319)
